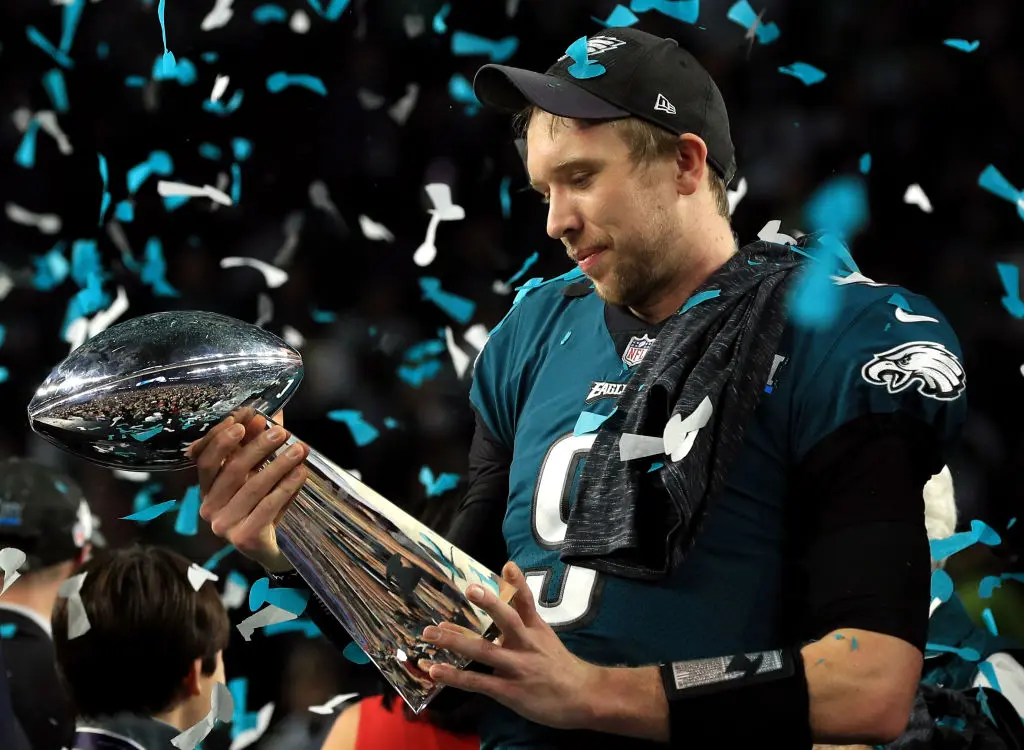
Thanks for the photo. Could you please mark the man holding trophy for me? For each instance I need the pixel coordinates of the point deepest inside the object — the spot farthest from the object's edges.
(708, 517)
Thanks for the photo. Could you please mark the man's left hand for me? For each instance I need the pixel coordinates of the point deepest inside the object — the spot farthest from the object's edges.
(534, 674)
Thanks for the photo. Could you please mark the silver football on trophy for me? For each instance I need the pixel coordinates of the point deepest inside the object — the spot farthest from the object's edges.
(137, 394)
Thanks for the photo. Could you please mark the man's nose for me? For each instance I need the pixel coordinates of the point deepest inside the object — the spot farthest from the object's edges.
(563, 217)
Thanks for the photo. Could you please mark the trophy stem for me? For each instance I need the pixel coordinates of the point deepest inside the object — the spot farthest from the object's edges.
(384, 575)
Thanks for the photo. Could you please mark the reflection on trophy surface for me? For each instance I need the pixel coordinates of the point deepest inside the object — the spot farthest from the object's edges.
(138, 394)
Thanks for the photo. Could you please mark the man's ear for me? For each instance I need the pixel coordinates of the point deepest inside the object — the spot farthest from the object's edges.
(691, 163)
(190, 684)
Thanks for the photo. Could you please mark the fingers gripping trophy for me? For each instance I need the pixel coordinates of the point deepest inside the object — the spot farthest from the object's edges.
(176, 390)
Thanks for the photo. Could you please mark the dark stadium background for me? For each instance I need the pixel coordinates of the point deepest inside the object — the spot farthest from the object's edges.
(926, 112)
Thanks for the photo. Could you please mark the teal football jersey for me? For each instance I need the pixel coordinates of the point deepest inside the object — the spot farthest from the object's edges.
(554, 358)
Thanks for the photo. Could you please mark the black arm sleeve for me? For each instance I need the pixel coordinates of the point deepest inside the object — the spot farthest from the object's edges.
(859, 494)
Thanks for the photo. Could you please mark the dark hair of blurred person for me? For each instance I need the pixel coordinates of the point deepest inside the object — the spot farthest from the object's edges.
(146, 668)
(44, 514)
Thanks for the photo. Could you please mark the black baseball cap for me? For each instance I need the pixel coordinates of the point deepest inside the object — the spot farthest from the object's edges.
(43, 512)
(644, 76)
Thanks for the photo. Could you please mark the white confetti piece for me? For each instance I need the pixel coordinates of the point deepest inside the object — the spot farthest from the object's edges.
(632, 447)
(936, 602)
(770, 233)
(218, 17)
(400, 110)
(374, 231)
(274, 277)
(45, 223)
(735, 196)
(82, 329)
(48, 121)
(915, 196)
(680, 433)
(321, 198)
(269, 615)
(131, 476)
(85, 525)
(78, 620)
(10, 560)
(198, 575)
(299, 22)
(222, 707)
(22, 116)
(414, 25)
(369, 100)
(443, 210)
(293, 338)
(328, 708)
(248, 736)
(460, 359)
(6, 284)
(220, 85)
(292, 228)
(166, 188)
(476, 335)
(264, 309)
(235, 594)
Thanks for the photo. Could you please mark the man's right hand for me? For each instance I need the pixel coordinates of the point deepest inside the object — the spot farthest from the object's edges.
(242, 503)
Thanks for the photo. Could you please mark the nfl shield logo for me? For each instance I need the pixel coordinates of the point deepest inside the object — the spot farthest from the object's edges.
(636, 350)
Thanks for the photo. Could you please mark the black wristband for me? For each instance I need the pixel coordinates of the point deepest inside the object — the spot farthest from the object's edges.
(739, 700)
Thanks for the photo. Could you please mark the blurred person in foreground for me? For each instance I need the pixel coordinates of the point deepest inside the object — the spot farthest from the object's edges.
(949, 711)
(44, 514)
(745, 486)
(146, 668)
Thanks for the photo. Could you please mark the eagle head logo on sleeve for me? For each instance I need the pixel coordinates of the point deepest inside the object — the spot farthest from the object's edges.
(930, 366)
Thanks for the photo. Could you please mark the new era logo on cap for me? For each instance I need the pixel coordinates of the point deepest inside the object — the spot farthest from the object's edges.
(664, 105)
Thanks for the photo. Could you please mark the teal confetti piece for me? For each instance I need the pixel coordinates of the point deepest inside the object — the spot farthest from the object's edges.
(698, 298)
(424, 350)
(619, 17)
(522, 271)
(983, 702)
(36, 37)
(953, 722)
(988, 585)
(154, 270)
(803, 72)
(565, 337)
(102, 50)
(3, 334)
(241, 148)
(458, 308)
(70, 17)
(417, 375)
(279, 81)
(7, 630)
(291, 600)
(962, 44)
(56, 89)
(354, 654)
(439, 485)
(838, 207)
(221, 108)
(745, 16)
(125, 211)
(438, 23)
(504, 197)
(183, 71)
(210, 151)
(85, 261)
(1009, 275)
(236, 183)
(105, 199)
(814, 298)
(461, 90)
(159, 163)
(464, 43)
(853, 643)
(144, 497)
(241, 720)
(655, 466)
(865, 163)
(152, 512)
(589, 422)
(135, 82)
(52, 269)
(210, 57)
(269, 14)
(989, 620)
(980, 533)
(187, 523)
(942, 585)
(686, 11)
(334, 10)
(993, 181)
(362, 431)
(300, 625)
(5, 374)
(218, 556)
(323, 316)
(391, 423)
(167, 62)
(990, 673)
(25, 156)
(898, 300)
(1011, 523)
(582, 67)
